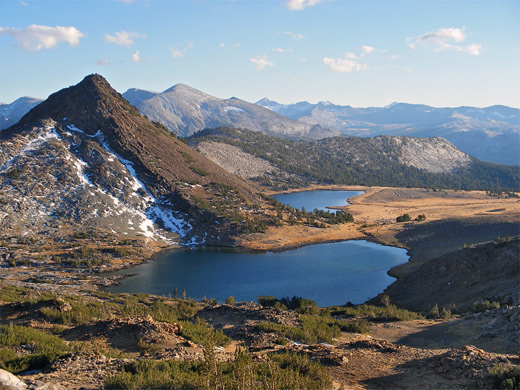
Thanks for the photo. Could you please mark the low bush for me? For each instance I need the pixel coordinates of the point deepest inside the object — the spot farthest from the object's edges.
(43, 348)
(375, 313)
(507, 378)
(199, 332)
(480, 306)
(282, 372)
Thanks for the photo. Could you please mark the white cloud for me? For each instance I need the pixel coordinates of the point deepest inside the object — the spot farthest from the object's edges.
(123, 38)
(368, 49)
(35, 38)
(136, 57)
(104, 62)
(294, 36)
(348, 63)
(233, 46)
(176, 53)
(304, 60)
(261, 62)
(126, 1)
(280, 50)
(474, 49)
(445, 39)
(299, 5)
(395, 57)
(24, 3)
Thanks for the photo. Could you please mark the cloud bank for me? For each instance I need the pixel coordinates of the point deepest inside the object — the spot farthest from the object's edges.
(299, 5)
(261, 62)
(35, 37)
(176, 53)
(445, 39)
(123, 38)
(346, 64)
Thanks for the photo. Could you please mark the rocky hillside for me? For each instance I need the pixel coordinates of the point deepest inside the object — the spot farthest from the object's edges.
(464, 278)
(490, 134)
(86, 158)
(13, 112)
(97, 341)
(381, 161)
(185, 110)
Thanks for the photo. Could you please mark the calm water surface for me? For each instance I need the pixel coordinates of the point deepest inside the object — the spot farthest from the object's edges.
(319, 199)
(329, 274)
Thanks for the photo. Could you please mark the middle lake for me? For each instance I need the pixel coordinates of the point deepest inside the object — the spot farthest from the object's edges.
(329, 274)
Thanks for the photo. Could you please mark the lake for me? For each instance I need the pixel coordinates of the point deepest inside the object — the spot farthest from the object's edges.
(329, 274)
(316, 199)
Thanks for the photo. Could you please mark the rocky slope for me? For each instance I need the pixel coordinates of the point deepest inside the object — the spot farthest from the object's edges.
(379, 161)
(86, 158)
(13, 112)
(185, 110)
(106, 348)
(490, 134)
(489, 271)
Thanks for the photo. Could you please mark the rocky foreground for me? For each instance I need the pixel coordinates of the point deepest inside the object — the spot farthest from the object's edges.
(87, 339)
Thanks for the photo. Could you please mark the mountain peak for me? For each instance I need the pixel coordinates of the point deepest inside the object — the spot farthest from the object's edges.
(265, 101)
(91, 105)
(95, 79)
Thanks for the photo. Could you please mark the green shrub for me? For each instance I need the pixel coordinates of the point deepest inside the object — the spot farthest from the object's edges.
(313, 329)
(375, 313)
(478, 307)
(13, 174)
(403, 218)
(505, 377)
(199, 332)
(286, 371)
(44, 348)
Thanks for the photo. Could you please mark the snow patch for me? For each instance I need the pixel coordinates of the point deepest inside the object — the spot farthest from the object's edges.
(231, 108)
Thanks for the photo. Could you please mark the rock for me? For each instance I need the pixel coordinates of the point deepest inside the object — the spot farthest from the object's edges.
(45, 386)
(9, 381)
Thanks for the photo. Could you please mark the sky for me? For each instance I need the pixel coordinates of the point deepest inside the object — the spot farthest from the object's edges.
(358, 53)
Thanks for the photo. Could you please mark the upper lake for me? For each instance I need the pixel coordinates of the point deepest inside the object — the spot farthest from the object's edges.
(329, 274)
(317, 199)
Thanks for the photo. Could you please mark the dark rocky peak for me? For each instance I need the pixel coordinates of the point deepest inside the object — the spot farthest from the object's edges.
(90, 105)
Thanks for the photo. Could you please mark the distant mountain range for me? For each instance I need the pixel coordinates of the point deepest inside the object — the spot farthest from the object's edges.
(185, 110)
(13, 112)
(490, 134)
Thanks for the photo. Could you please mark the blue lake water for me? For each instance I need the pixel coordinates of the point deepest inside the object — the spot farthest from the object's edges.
(329, 274)
(318, 199)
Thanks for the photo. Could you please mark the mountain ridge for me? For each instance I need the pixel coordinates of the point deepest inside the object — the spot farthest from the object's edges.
(490, 133)
(371, 161)
(185, 110)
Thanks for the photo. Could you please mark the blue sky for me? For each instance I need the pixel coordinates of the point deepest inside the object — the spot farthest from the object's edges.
(360, 53)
